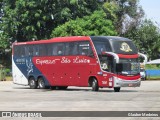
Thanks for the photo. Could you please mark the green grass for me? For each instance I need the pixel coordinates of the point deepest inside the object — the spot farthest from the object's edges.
(153, 78)
(152, 67)
(8, 78)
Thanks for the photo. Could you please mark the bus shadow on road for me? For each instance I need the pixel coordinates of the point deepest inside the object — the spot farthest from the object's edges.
(74, 89)
(89, 90)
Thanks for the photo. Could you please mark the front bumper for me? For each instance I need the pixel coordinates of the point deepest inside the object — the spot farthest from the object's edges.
(126, 83)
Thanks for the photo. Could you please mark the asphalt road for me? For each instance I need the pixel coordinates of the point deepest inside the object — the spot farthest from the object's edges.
(21, 98)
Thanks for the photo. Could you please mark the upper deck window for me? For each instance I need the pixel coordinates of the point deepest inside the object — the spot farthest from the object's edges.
(101, 44)
(78, 48)
(53, 49)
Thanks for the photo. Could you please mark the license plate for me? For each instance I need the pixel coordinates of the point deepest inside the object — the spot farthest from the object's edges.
(130, 85)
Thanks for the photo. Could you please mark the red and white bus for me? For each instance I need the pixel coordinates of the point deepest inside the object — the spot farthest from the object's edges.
(94, 61)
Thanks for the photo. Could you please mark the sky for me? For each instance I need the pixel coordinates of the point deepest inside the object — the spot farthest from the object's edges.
(151, 9)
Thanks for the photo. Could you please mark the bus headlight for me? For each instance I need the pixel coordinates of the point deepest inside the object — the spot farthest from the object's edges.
(111, 82)
(117, 81)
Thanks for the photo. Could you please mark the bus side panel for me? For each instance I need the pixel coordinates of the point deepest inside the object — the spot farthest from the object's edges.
(66, 70)
(18, 76)
(84, 70)
(105, 80)
(23, 67)
(46, 65)
(59, 70)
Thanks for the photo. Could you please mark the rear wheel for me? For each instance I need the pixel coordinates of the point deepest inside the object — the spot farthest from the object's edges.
(95, 86)
(41, 83)
(117, 89)
(32, 83)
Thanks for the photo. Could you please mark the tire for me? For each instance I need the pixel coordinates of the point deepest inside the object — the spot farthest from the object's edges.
(41, 83)
(32, 83)
(117, 89)
(95, 86)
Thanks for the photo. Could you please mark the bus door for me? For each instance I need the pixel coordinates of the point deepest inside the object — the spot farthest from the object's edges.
(108, 65)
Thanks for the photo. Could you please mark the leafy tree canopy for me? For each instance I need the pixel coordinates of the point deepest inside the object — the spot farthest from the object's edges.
(147, 38)
(3, 41)
(96, 24)
(25, 20)
(127, 12)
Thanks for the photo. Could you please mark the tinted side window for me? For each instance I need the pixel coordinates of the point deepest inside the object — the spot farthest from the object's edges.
(102, 47)
(16, 50)
(54, 49)
(28, 50)
(74, 48)
(71, 48)
(42, 50)
(19, 51)
(85, 48)
(58, 49)
(35, 50)
(78, 48)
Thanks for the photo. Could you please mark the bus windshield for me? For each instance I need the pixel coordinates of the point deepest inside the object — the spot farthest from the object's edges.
(128, 67)
(114, 44)
(123, 47)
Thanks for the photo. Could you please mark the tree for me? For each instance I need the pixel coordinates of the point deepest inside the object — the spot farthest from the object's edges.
(1, 9)
(3, 41)
(111, 9)
(25, 20)
(128, 14)
(96, 24)
(147, 38)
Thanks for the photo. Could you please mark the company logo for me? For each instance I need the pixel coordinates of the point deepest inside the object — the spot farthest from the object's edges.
(21, 114)
(125, 47)
(29, 66)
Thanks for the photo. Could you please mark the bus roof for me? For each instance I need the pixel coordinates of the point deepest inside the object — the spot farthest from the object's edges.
(57, 39)
(73, 38)
(110, 38)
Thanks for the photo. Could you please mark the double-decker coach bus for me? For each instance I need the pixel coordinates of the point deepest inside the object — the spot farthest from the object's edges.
(95, 61)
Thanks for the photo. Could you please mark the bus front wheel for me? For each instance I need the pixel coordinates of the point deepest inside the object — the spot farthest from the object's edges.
(41, 83)
(32, 83)
(117, 89)
(95, 85)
